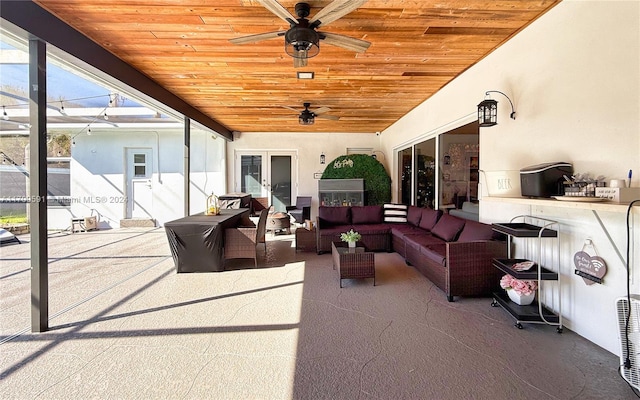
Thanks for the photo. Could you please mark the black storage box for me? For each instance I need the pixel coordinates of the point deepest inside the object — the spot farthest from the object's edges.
(544, 180)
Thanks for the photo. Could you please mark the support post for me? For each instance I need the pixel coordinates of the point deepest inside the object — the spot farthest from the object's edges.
(38, 185)
(187, 165)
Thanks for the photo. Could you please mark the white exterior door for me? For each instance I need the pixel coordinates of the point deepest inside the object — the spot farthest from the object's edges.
(139, 187)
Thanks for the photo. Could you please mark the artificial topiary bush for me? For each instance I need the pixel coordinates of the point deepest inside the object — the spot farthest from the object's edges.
(377, 183)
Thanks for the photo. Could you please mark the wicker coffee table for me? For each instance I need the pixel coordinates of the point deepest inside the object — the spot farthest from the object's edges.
(356, 263)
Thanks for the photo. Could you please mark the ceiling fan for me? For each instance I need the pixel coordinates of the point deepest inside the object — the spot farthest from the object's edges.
(307, 117)
(302, 40)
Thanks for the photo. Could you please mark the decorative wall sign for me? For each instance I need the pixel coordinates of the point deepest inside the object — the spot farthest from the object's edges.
(592, 269)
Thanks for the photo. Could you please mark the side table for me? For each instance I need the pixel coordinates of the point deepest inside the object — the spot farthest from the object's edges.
(305, 239)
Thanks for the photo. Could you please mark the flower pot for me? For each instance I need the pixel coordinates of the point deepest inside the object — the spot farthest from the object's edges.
(352, 245)
(521, 299)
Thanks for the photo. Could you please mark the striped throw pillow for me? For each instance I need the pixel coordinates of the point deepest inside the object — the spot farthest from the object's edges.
(395, 212)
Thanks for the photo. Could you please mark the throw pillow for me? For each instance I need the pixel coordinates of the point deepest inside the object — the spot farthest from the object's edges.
(413, 215)
(429, 218)
(475, 231)
(334, 215)
(395, 212)
(448, 227)
(366, 215)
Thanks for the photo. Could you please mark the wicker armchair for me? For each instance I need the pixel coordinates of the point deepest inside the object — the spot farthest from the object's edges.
(302, 210)
(242, 242)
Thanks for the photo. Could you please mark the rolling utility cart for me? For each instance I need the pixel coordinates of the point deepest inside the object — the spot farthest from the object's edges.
(540, 241)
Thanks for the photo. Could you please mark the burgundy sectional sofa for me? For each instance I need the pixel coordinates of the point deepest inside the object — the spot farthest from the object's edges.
(453, 253)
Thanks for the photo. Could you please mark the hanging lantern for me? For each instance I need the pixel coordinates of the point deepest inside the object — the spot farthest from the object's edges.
(488, 112)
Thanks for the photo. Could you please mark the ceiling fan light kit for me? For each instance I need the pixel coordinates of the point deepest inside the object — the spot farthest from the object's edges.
(307, 117)
(301, 40)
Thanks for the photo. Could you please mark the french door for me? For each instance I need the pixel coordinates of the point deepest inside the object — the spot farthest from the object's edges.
(270, 174)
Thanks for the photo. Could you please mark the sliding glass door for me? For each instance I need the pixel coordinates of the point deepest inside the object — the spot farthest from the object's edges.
(417, 177)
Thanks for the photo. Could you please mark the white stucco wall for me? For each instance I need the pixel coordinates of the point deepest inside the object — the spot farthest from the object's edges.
(308, 146)
(98, 165)
(574, 77)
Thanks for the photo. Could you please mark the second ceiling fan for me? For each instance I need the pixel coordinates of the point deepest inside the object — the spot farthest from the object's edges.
(307, 117)
(302, 40)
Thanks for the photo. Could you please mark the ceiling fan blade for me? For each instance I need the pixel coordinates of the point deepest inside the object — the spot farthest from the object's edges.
(300, 62)
(321, 110)
(346, 42)
(257, 37)
(337, 9)
(331, 117)
(291, 108)
(277, 9)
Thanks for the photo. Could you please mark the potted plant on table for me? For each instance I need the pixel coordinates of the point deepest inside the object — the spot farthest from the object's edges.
(350, 237)
(520, 292)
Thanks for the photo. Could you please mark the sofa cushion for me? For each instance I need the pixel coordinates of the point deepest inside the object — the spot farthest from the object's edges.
(366, 215)
(335, 230)
(330, 216)
(436, 253)
(372, 229)
(470, 207)
(429, 218)
(423, 240)
(448, 227)
(401, 230)
(395, 212)
(413, 215)
(475, 231)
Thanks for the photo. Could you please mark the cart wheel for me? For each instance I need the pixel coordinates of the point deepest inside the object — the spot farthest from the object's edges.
(494, 303)
(519, 325)
(559, 330)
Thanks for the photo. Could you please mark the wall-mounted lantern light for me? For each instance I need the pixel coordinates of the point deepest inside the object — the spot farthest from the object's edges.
(488, 110)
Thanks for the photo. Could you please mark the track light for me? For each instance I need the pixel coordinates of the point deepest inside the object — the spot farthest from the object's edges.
(105, 116)
(4, 114)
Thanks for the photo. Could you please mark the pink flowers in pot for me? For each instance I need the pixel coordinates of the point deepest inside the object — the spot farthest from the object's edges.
(520, 287)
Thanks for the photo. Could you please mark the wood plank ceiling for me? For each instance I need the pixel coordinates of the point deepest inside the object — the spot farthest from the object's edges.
(417, 47)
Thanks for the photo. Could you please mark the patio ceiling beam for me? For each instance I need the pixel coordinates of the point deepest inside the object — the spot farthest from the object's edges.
(37, 21)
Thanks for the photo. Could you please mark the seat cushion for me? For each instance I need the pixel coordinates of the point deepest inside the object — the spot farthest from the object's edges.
(448, 227)
(372, 229)
(423, 240)
(366, 215)
(475, 231)
(330, 216)
(334, 230)
(401, 230)
(436, 253)
(429, 218)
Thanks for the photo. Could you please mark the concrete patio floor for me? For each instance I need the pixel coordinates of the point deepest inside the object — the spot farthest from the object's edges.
(124, 325)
